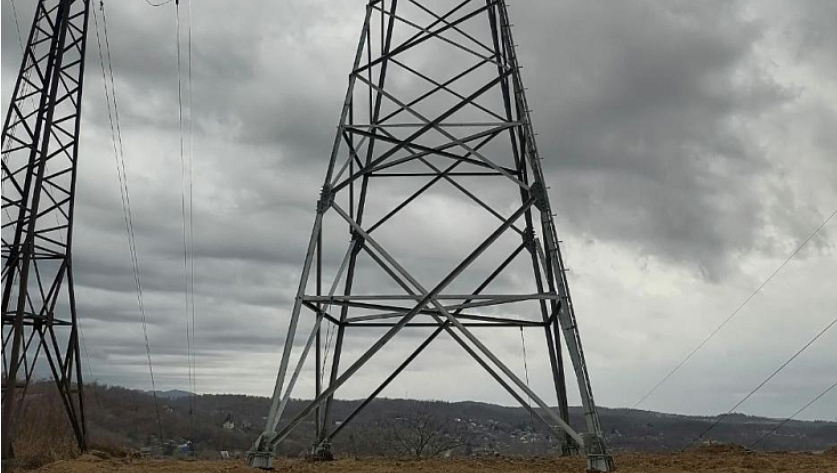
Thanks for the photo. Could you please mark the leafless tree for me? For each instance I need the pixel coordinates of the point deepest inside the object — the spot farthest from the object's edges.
(423, 434)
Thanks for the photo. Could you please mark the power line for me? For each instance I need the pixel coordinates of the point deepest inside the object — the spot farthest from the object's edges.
(186, 202)
(766, 380)
(119, 157)
(17, 25)
(526, 374)
(329, 338)
(738, 309)
(191, 185)
(89, 366)
(191, 211)
(24, 84)
(183, 195)
(160, 4)
(806, 406)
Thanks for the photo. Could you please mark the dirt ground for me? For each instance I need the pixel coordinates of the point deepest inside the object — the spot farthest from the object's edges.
(701, 461)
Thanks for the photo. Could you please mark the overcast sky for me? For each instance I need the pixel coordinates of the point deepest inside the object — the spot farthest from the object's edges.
(689, 146)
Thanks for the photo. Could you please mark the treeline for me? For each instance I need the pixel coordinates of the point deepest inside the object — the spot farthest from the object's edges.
(120, 418)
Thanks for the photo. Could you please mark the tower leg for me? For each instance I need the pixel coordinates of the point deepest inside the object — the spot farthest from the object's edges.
(451, 122)
(40, 154)
(594, 444)
(598, 460)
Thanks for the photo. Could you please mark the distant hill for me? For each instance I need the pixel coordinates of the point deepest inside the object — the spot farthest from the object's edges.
(126, 417)
(172, 394)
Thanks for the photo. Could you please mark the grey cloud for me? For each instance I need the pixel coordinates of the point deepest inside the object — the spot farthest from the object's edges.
(645, 112)
(641, 125)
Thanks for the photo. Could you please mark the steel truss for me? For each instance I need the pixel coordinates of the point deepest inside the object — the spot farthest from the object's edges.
(472, 126)
(40, 152)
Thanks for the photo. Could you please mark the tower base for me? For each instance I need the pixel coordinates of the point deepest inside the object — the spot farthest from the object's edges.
(597, 458)
(600, 463)
(321, 452)
(262, 460)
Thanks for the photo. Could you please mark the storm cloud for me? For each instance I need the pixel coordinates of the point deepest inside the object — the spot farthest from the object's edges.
(689, 147)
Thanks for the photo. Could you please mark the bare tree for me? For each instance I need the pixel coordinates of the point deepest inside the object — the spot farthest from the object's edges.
(423, 434)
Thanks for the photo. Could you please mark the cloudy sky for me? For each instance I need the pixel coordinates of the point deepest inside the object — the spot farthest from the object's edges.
(689, 146)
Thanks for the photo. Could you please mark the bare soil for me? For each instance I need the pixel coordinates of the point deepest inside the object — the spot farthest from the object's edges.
(705, 460)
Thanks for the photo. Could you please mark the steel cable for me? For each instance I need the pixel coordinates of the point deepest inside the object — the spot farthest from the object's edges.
(738, 309)
(526, 374)
(119, 157)
(801, 409)
(186, 201)
(765, 381)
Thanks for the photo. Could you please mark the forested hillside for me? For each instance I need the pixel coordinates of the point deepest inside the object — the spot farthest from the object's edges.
(124, 418)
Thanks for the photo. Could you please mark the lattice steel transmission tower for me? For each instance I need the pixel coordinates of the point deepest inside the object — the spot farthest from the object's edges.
(435, 171)
(40, 153)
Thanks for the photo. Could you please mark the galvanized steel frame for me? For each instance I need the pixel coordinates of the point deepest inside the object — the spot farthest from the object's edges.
(40, 153)
(458, 317)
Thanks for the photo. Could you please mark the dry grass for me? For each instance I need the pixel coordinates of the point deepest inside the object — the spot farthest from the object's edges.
(696, 461)
(44, 444)
(43, 433)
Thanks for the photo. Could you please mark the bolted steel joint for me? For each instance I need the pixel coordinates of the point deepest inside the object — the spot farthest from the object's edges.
(357, 237)
(326, 199)
(529, 239)
(538, 191)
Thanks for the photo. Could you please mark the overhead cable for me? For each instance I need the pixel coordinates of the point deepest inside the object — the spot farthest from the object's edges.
(738, 309)
(793, 416)
(765, 381)
(119, 156)
(186, 200)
